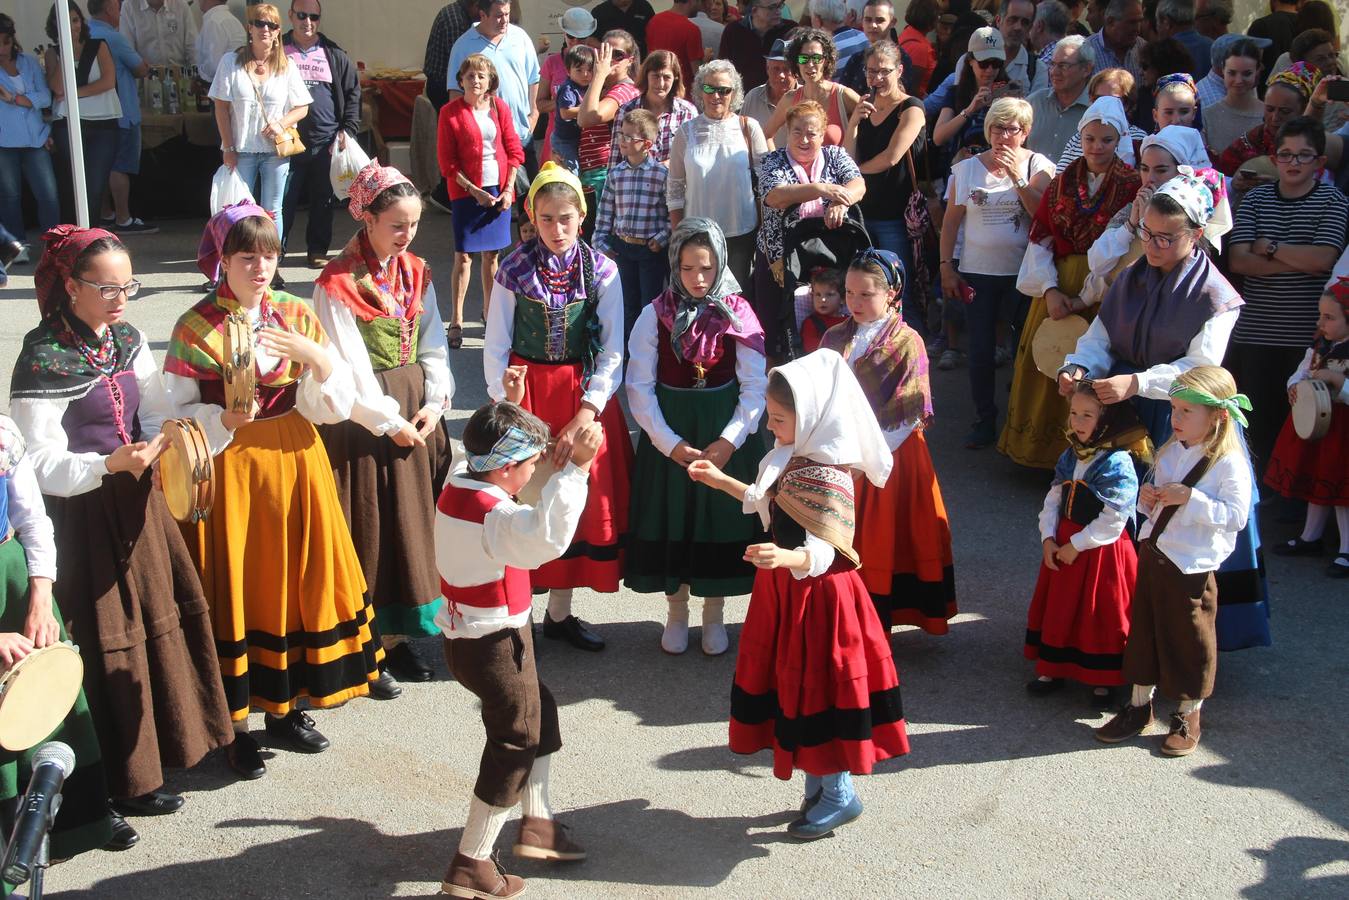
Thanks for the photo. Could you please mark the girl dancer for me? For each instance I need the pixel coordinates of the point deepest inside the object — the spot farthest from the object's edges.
(814, 682)
(904, 538)
(557, 308)
(696, 377)
(1197, 501)
(377, 305)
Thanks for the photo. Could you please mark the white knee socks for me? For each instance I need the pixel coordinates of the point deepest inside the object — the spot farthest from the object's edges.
(675, 639)
(482, 829)
(534, 801)
(1317, 517)
(1142, 695)
(559, 604)
(715, 640)
(1342, 520)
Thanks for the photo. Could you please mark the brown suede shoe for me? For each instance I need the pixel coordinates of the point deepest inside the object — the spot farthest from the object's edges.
(1128, 722)
(480, 878)
(1184, 736)
(547, 839)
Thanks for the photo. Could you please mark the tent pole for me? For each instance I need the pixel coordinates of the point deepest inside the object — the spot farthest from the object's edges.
(72, 115)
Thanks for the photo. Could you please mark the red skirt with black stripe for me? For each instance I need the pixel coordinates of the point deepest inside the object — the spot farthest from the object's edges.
(1079, 616)
(595, 558)
(814, 680)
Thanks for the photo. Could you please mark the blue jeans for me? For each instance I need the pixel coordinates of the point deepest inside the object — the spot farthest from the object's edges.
(642, 274)
(274, 173)
(99, 141)
(34, 166)
(995, 296)
(891, 234)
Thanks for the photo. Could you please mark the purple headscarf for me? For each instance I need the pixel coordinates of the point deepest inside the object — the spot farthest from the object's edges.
(213, 238)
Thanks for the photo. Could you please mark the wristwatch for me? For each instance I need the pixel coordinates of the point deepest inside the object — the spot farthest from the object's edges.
(1020, 183)
(1271, 249)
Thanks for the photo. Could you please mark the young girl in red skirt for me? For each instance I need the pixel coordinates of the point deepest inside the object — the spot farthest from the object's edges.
(814, 681)
(1079, 614)
(1318, 471)
(904, 538)
(557, 309)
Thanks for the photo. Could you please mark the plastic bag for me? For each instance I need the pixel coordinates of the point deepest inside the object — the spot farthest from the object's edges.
(346, 165)
(227, 188)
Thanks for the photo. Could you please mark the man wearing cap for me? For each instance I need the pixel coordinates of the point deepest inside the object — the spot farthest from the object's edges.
(578, 27)
(1117, 44)
(1212, 88)
(630, 15)
(763, 100)
(1058, 109)
(1013, 24)
(745, 42)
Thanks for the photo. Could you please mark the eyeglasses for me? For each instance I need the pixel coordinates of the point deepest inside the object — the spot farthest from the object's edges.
(1006, 130)
(988, 63)
(265, 25)
(111, 292)
(631, 139)
(879, 73)
(1160, 241)
(306, 17)
(809, 59)
(719, 90)
(1303, 157)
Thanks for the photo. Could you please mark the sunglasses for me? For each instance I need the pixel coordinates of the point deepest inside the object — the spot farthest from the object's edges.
(719, 90)
(806, 59)
(265, 25)
(306, 17)
(110, 292)
(619, 56)
(988, 63)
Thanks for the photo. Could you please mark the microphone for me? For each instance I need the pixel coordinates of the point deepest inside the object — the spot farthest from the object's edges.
(52, 764)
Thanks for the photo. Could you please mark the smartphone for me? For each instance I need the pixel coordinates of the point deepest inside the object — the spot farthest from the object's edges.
(1338, 90)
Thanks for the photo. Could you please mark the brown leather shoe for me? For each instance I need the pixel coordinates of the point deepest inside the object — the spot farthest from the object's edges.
(1184, 736)
(547, 839)
(480, 878)
(1128, 722)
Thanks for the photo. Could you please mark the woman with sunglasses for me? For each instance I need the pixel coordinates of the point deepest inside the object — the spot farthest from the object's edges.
(812, 57)
(258, 94)
(609, 89)
(960, 127)
(712, 161)
(662, 87)
(89, 400)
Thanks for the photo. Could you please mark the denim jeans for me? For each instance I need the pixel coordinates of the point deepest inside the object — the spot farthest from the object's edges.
(995, 296)
(99, 141)
(892, 235)
(642, 274)
(309, 174)
(273, 173)
(32, 165)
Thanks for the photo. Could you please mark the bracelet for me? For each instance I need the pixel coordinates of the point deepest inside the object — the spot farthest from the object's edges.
(224, 149)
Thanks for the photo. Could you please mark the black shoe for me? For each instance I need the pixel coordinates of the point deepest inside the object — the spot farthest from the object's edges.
(155, 803)
(1037, 688)
(385, 687)
(9, 252)
(297, 729)
(243, 757)
(983, 434)
(1298, 547)
(124, 837)
(278, 283)
(404, 662)
(1103, 698)
(573, 631)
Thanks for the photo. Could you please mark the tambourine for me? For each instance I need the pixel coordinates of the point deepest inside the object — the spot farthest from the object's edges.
(186, 471)
(1053, 341)
(1131, 256)
(240, 372)
(1312, 409)
(36, 694)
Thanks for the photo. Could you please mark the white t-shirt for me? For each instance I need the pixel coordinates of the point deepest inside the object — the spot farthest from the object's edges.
(281, 93)
(488, 126)
(997, 225)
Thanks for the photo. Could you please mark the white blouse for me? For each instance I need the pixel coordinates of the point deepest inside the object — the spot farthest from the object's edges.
(1304, 372)
(94, 108)
(1203, 532)
(710, 171)
(28, 515)
(750, 371)
(372, 409)
(1038, 272)
(1207, 348)
(487, 125)
(281, 93)
(1102, 530)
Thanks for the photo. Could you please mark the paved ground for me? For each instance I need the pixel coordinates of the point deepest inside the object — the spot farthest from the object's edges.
(1002, 796)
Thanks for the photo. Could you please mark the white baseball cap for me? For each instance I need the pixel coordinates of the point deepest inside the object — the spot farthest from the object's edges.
(578, 23)
(987, 43)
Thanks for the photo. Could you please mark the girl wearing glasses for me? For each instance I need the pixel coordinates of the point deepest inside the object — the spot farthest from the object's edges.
(89, 401)
(812, 57)
(960, 127)
(258, 94)
(610, 88)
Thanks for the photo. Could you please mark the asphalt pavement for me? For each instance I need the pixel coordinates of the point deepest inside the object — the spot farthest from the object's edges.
(1002, 796)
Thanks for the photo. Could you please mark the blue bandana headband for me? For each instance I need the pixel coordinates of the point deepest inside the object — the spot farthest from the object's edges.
(889, 263)
(516, 445)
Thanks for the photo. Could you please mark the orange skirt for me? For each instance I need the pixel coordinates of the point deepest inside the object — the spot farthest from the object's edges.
(904, 541)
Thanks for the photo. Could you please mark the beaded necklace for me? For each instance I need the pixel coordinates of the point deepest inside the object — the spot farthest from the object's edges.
(557, 281)
(104, 359)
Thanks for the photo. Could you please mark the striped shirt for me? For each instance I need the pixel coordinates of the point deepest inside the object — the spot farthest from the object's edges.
(633, 204)
(597, 139)
(1280, 309)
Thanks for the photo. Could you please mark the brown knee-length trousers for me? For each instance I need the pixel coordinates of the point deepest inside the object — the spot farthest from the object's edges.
(1173, 639)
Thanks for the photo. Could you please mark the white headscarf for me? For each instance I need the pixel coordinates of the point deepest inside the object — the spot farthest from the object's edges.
(1186, 147)
(835, 425)
(1111, 111)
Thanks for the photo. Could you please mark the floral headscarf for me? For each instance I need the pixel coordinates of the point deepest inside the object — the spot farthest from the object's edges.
(370, 182)
(64, 243)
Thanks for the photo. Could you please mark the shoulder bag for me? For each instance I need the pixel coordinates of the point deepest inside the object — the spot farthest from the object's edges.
(288, 142)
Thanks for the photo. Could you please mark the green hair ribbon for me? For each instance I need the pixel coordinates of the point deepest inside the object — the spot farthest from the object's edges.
(1233, 404)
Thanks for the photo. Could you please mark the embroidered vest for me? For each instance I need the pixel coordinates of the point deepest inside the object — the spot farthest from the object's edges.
(549, 335)
(674, 372)
(391, 341)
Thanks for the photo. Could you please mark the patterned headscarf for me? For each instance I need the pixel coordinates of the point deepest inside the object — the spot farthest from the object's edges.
(213, 238)
(1300, 77)
(550, 173)
(516, 445)
(370, 182)
(65, 243)
(890, 264)
(1194, 195)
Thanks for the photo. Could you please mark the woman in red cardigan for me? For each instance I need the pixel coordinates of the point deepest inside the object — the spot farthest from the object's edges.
(479, 152)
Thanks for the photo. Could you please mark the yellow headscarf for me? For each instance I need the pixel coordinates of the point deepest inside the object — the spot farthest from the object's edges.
(551, 173)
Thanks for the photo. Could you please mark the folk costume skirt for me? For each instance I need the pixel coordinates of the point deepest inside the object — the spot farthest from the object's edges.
(134, 604)
(82, 823)
(1173, 640)
(388, 496)
(1079, 615)
(904, 540)
(595, 558)
(685, 533)
(1314, 471)
(1036, 414)
(814, 679)
(281, 575)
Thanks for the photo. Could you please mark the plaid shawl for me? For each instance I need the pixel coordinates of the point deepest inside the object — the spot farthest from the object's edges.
(356, 280)
(197, 345)
(893, 370)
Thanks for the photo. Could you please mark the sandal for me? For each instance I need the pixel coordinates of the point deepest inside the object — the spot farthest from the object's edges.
(454, 336)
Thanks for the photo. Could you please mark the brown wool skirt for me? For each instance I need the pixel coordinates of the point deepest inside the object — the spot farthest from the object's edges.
(1173, 639)
(388, 496)
(133, 602)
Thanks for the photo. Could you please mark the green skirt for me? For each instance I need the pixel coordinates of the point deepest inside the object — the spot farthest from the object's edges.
(83, 823)
(683, 532)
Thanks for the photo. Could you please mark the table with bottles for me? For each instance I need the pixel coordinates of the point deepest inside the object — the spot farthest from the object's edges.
(174, 104)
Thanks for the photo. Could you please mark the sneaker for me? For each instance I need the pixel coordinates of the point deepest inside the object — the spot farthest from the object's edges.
(1128, 722)
(135, 226)
(1184, 736)
(22, 256)
(937, 345)
(949, 360)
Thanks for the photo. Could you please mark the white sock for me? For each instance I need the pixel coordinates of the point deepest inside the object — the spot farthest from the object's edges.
(1317, 517)
(393, 640)
(1342, 520)
(559, 604)
(1142, 695)
(715, 641)
(482, 829)
(534, 800)
(675, 638)
(1189, 706)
